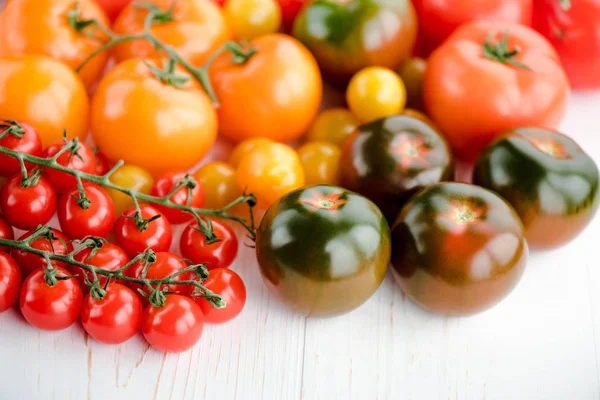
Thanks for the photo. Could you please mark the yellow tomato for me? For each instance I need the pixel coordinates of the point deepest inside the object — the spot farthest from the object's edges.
(320, 161)
(333, 125)
(252, 18)
(129, 177)
(218, 181)
(244, 148)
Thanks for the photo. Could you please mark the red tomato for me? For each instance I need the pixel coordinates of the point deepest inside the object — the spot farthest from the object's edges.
(109, 257)
(113, 7)
(218, 255)
(29, 143)
(230, 286)
(115, 318)
(103, 165)
(10, 281)
(61, 180)
(96, 220)
(166, 264)
(163, 186)
(6, 232)
(29, 262)
(27, 207)
(175, 327)
(50, 308)
(156, 235)
(289, 11)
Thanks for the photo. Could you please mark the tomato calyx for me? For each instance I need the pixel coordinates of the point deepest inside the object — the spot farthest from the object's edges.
(11, 127)
(159, 16)
(168, 76)
(330, 202)
(77, 23)
(499, 51)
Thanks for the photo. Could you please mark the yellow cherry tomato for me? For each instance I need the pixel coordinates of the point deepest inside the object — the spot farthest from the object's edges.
(130, 177)
(244, 148)
(218, 181)
(320, 161)
(375, 92)
(270, 171)
(252, 18)
(333, 125)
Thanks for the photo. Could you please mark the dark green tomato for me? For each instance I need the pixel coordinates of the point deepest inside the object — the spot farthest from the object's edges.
(458, 248)
(346, 36)
(547, 178)
(323, 250)
(390, 159)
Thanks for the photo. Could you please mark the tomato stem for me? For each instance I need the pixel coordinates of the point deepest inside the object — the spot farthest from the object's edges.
(499, 51)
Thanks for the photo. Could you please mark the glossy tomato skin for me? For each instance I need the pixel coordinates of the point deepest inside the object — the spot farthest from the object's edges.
(289, 11)
(458, 249)
(547, 178)
(174, 328)
(230, 286)
(218, 255)
(166, 264)
(50, 308)
(30, 143)
(85, 162)
(10, 281)
(346, 37)
(109, 257)
(129, 177)
(6, 232)
(27, 207)
(97, 220)
(329, 270)
(115, 318)
(163, 186)
(218, 181)
(29, 262)
(157, 235)
(514, 96)
(390, 159)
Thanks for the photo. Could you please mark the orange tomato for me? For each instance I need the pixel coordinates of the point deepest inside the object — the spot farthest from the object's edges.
(46, 94)
(42, 27)
(196, 31)
(275, 94)
(218, 181)
(139, 119)
(243, 148)
(113, 7)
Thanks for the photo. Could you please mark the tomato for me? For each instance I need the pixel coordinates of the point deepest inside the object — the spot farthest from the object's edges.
(333, 125)
(155, 234)
(129, 177)
(547, 178)
(103, 165)
(391, 159)
(243, 148)
(10, 281)
(166, 264)
(6, 232)
(27, 207)
(109, 257)
(83, 161)
(289, 12)
(323, 250)
(347, 36)
(458, 249)
(525, 84)
(249, 19)
(50, 308)
(230, 286)
(112, 8)
(320, 163)
(193, 197)
(217, 255)
(197, 29)
(250, 93)
(139, 136)
(270, 171)
(29, 262)
(113, 319)
(52, 102)
(218, 181)
(175, 327)
(412, 74)
(96, 220)
(29, 142)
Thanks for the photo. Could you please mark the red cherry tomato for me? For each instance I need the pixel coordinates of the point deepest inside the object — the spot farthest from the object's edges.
(103, 165)
(27, 207)
(50, 308)
(289, 11)
(175, 327)
(163, 187)
(115, 318)
(230, 286)
(29, 262)
(6, 232)
(96, 220)
(61, 180)
(156, 235)
(109, 257)
(29, 143)
(166, 264)
(10, 281)
(218, 255)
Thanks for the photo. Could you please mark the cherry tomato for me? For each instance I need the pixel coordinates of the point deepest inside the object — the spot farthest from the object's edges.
(6, 232)
(103, 165)
(29, 262)
(412, 74)
(156, 235)
(96, 220)
(458, 249)
(109, 257)
(139, 136)
(320, 162)
(280, 65)
(249, 19)
(504, 55)
(163, 186)
(10, 281)
(289, 12)
(27, 207)
(218, 255)
(218, 181)
(231, 287)
(243, 148)
(112, 8)
(270, 171)
(374, 93)
(174, 327)
(113, 319)
(83, 161)
(166, 264)
(129, 177)
(332, 125)
(29, 143)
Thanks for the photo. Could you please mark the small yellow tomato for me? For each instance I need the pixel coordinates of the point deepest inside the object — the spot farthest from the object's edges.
(218, 181)
(244, 148)
(129, 177)
(375, 92)
(320, 161)
(333, 125)
(249, 19)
